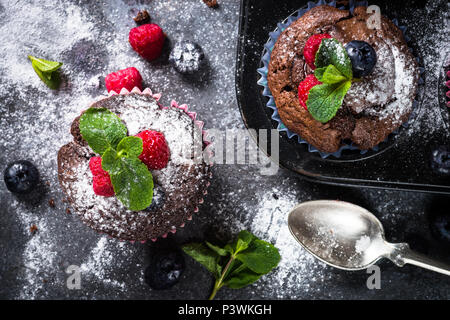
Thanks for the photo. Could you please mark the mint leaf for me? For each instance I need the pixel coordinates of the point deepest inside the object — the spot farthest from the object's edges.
(205, 256)
(130, 147)
(132, 182)
(229, 248)
(241, 278)
(47, 71)
(102, 129)
(218, 250)
(331, 51)
(329, 75)
(51, 80)
(260, 256)
(324, 100)
(45, 65)
(243, 241)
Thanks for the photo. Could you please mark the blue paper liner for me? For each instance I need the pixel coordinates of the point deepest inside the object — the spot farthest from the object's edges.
(268, 47)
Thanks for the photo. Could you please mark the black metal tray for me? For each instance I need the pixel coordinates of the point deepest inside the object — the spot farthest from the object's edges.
(402, 162)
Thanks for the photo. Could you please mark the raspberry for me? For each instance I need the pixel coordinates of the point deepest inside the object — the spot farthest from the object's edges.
(101, 181)
(304, 87)
(156, 152)
(311, 47)
(127, 78)
(95, 164)
(147, 40)
(103, 186)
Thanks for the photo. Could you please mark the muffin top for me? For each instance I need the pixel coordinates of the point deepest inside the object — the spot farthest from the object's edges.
(374, 106)
(183, 181)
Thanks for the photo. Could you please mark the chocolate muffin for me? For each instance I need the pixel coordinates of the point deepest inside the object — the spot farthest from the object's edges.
(373, 107)
(179, 187)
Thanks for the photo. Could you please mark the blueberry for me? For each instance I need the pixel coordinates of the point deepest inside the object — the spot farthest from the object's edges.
(440, 226)
(187, 57)
(165, 268)
(440, 160)
(21, 176)
(158, 199)
(362, 56)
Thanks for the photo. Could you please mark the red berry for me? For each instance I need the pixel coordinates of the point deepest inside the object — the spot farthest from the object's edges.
(304, 87)
(101, 180)
(103, 186)
(95, 164)
(127, 78)
(147, 40)
(156, 152)
(311, 47)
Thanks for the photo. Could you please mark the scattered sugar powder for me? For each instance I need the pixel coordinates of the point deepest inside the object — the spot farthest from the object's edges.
(101, 260)
(403, 89)
(38, 255)
(298, 273)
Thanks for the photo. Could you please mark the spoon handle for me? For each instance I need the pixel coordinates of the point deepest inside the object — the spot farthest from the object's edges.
(402, 255)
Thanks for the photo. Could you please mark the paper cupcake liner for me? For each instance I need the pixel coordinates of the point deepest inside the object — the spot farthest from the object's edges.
(263, 71)
(206, 142)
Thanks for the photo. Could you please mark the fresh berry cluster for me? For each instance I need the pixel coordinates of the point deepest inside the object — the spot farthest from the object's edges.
(101, 180)
(155, 155)
(361, 54)
(309, 52)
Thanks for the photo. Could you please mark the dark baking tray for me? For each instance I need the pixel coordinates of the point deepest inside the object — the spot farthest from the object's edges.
(401, 163)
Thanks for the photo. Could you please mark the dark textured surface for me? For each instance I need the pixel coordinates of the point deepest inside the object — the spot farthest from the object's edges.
(33, 266)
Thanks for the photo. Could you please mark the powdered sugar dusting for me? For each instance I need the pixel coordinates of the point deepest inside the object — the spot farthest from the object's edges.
(39, 255)
(404, 88)
(377, 89)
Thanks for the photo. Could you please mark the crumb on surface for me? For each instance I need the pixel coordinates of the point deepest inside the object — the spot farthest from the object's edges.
(142, 17)
(211, 3)
(33, 229)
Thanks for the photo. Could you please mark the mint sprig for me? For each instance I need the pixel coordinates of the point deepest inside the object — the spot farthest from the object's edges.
(107, 135)
(237, 264)
(47, 71)
(334, 70)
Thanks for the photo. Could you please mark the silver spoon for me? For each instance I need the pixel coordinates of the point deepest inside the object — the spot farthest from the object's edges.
(349, 237)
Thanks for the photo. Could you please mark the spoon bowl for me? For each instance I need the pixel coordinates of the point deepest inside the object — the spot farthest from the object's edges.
(349, 237)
